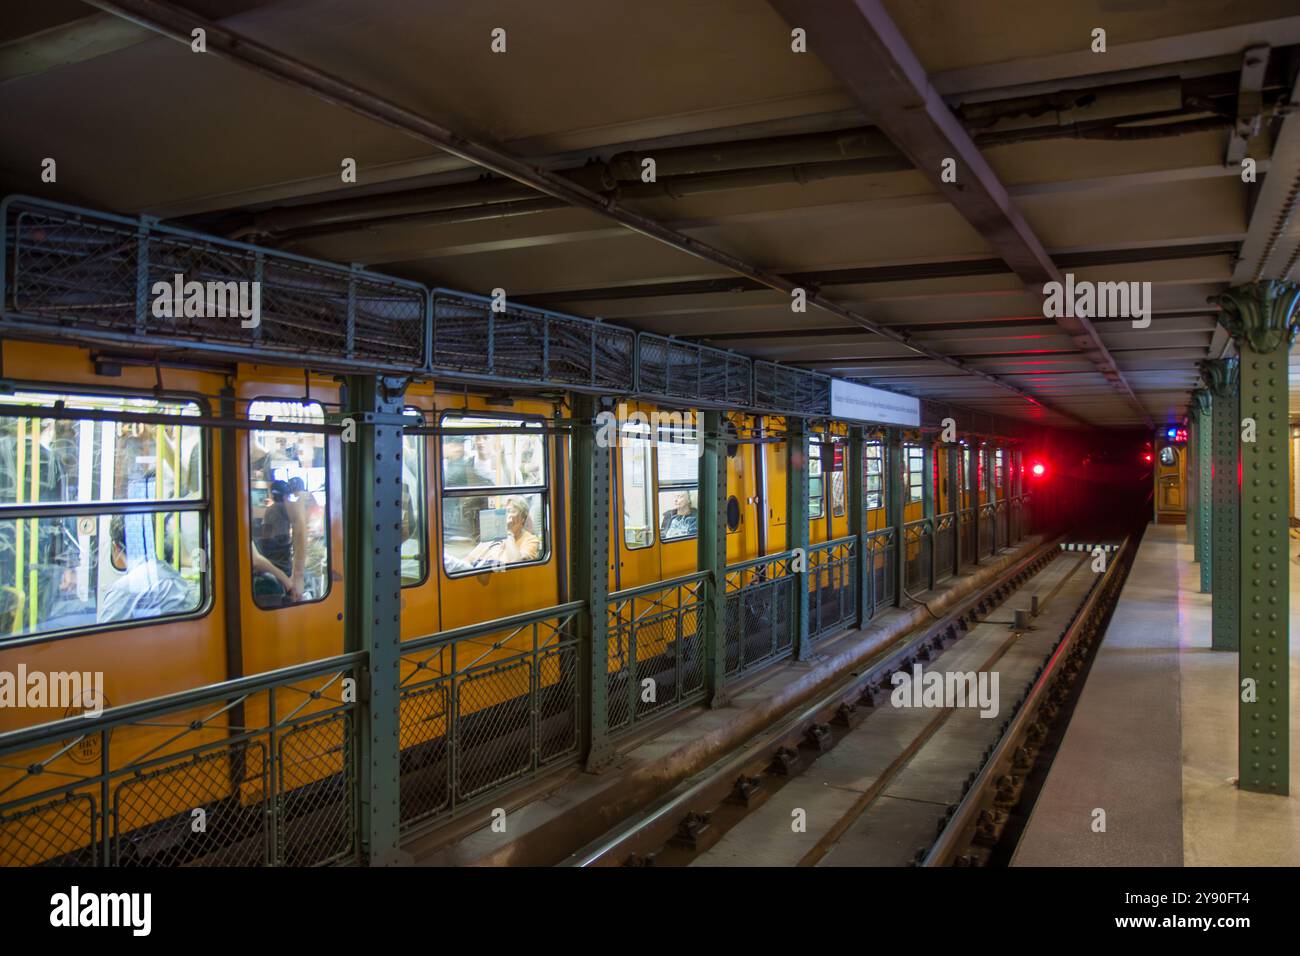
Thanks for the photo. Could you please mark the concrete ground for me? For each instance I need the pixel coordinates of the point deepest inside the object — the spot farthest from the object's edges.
(1153, 741)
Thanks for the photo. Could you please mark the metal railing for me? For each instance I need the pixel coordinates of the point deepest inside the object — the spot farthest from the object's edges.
(486, 705)
(760, 612)
(986, 516)
(250, 772)
(945, 545)
(656, 649)
(1002, 522)
(882, 575)
(832, 589)
(918, 567)
(967, 520)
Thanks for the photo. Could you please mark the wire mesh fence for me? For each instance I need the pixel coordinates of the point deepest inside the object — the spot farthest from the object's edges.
(1002, 523)
(760, 619)
(966, 519)
(883, 571)
(832, 588)
(487, 705)
(705, 375)
(917, 566)
(986, 519)
(255, 772)
(656, 649)
(945, 545)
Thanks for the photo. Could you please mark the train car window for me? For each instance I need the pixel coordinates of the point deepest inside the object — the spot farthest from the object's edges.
(835, 465)
(678, 456)
(874, 475)
(288, 500)
(415, 524)
(816, 492)
(998, 472)
(915, 457)
(494, 493)
(101, 521)
(638, 491)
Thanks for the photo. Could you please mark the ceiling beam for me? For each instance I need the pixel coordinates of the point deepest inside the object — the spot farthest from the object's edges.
(860, 43)
(179, 24)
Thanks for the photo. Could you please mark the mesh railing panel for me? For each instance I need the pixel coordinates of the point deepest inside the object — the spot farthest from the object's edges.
(917, 566)
(1002, 519)
(832, 591)
(760, 619)
(487, 706)
(529, 345)
(685, 370)
(264, 778)
(92, 276)
(945, 529)
(882, 547)
(789, 389)
(967, 518)
(986, 545)
(656, 651)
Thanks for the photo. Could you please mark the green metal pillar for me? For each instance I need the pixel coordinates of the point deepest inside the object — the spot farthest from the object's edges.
(897, 487)
(712, 523)
(973, 484)
(1190, 502)
(856, 479)
(928, 499)
(796, 449)
(1204, 491)
(373, 603)
(1261, 317)
(590, 576)
(1225, 509)
(954, 504)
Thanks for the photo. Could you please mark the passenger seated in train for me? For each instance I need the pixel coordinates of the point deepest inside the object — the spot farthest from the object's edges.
(148, 587)
(681, 521)
(517, 546)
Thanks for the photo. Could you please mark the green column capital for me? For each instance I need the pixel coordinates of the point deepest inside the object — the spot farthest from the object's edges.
(1262, 314)
(1220, 376)
(1201, 403)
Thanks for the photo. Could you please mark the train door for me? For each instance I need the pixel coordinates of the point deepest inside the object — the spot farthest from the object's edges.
(874, 491)
(743, 501)
(634, 529)
(1171, 482)
(776, 479)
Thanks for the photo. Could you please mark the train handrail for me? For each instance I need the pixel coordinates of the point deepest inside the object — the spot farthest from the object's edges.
(835, 542)
(755, 562)
(509, 622)
(692, 578)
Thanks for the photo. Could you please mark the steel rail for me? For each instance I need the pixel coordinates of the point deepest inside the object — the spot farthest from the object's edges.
(961, 826)
(179, 24)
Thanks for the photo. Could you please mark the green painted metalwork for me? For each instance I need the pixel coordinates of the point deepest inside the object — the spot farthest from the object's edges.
(1225, 511)
(796, 449)
(930, 509)
(1261, 317)
(954, 503)
(1204, 496)
(712, 525)
(373, 604)
(590, 576)
(897, 482)
(1190, 477)
(856, 479)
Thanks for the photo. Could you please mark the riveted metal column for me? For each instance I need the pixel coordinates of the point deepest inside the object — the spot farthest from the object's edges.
(1225, 510)
(713, 554)
(954, 504)
(928, 499)
(1204, 491)
(897, 488)
(796, 449)
(1193, 498)
(1261, 317)
(973, 486)
(856, 479)
(373, 603)
(590, 576)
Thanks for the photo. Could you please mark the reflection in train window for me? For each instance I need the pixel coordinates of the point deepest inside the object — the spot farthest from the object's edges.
(72, 554)
(638, 493)
(815, 491)
(678, 455)
(494, 483)
(915, 457)
(415, 527)
(288, 505)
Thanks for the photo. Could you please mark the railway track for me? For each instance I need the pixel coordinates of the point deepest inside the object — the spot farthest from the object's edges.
(853, 780)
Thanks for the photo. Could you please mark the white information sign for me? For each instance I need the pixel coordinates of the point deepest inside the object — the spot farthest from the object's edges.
(863, 404)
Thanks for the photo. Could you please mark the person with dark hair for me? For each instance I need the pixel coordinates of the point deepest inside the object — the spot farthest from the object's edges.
(282, 539)
(148, 587)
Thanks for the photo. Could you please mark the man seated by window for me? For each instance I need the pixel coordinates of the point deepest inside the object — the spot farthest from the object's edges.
(682, 521)
(519, 545)
(148, 587)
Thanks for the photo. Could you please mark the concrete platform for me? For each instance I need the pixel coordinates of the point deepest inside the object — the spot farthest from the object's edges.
(1153, 741)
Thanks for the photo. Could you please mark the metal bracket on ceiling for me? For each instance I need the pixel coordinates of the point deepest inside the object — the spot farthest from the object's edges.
(1250, 104)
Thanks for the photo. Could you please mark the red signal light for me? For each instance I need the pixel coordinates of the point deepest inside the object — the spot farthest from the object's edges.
(1146, 456)
(1038, 469)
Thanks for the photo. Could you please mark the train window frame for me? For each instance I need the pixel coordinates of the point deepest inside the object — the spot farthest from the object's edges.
(818, 496)
(413, 411)
(649, 482)
(202, 505)
(661, 486)
(915, 476)
(878, 474)
(836, 495)
(248, 488)
(999, 473)
(480, 491)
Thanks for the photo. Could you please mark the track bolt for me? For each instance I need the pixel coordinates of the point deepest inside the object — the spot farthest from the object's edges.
(818, 737)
